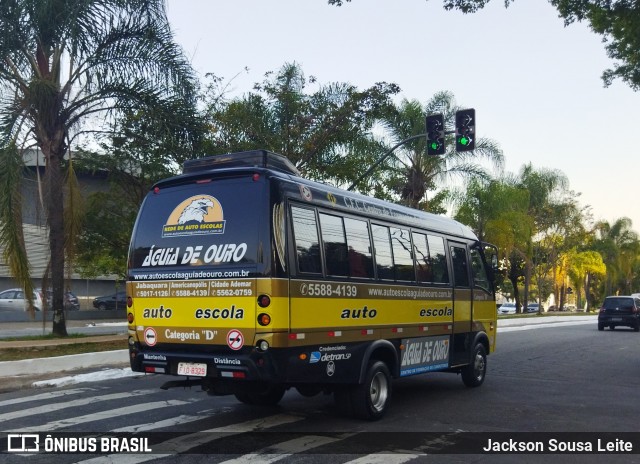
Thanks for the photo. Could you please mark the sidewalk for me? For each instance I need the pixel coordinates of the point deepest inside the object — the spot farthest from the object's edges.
(22, 374)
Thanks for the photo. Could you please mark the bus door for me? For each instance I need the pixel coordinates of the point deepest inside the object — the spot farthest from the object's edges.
(462, 301)
(484, 305)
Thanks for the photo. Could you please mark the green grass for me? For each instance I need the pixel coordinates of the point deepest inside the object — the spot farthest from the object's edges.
(49, 336)
(16, 354)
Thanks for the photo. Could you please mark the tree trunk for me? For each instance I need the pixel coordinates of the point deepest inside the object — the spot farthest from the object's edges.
(54, 204)
(587, 284)
(527, 280)
(513, 277)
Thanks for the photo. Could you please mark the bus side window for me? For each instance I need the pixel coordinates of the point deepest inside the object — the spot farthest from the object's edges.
(402, 259)
(478, 271)
(305, 233)
(460, 269)
(438, 259)
(382, 247)
(424, 271)
(335, 245)
(360, 259)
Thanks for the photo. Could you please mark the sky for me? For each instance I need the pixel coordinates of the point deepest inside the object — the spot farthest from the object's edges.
(535, 84)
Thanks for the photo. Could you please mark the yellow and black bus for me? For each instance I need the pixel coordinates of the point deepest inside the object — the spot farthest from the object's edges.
(247, 279)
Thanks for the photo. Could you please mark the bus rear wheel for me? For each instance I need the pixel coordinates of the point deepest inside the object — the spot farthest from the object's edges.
(474, 373)
(370, 399)
(269, 396)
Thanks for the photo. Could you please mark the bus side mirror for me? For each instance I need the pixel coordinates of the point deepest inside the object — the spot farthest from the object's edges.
(491, 255)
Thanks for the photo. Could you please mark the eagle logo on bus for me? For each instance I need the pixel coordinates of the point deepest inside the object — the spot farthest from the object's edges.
(197, 215)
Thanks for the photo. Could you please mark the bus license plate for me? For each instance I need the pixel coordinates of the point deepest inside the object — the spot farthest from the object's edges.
(195, 369)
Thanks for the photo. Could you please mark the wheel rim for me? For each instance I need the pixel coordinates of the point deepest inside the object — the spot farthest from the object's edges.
(479, 366)
(378, 391)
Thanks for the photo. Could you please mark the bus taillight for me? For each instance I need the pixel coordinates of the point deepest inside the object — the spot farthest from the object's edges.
(264, 301)
(264, 319)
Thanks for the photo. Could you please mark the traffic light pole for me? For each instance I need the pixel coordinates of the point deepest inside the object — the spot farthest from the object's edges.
(384, 157)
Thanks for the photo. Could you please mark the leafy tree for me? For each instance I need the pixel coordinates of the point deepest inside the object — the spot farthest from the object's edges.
(546, 209)
(315, 130)
(617, 21)
(497, 211)
(65, 61)
(411, 172)
(619, 246)
(582, 268)
(143, 148)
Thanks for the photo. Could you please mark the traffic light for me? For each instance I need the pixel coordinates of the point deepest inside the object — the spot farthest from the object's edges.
(465, 130)
(435, 134)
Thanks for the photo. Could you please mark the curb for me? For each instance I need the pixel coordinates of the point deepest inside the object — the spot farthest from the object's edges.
(15, 375)
(40, 366)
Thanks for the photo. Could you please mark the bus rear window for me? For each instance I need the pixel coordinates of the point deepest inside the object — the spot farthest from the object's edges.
(194, 227)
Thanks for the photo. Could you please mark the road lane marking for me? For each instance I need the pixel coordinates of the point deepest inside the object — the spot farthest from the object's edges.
(384, 458)
(44, 396)
(283, 450)
(184, 443)
(173, 421)
(102, 415)
(48, 408)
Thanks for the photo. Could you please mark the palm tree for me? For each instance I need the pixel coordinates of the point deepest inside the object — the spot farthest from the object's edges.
(66, 63)
(414, 172)
(619, 246)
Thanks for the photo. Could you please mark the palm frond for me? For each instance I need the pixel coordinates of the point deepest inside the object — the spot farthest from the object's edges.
(11, 232)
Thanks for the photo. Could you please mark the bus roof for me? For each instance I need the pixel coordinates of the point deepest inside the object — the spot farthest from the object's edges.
(317, 193)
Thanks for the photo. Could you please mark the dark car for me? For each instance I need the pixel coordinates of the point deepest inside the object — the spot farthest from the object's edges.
(71, 302)
(620, 310)
(534, 308)
(116, 300)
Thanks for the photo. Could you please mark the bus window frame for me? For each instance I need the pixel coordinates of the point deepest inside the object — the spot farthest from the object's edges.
(293, 251)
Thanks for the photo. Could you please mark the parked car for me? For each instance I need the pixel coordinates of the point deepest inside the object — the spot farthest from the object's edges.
(507, 308)
(619, 310)
(13, 300)
(535, 308)
(71, 302)
(116, 300)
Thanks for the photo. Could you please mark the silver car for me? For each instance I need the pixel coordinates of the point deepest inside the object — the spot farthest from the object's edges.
(507, 308)
(14, 300)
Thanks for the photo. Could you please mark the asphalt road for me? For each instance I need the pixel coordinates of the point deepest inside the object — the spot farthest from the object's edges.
(541, 383)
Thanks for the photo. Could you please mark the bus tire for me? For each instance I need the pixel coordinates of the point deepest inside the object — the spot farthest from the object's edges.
(243, 397)
(270, 396)
(309, 391)
(474, 373)
(370, 399)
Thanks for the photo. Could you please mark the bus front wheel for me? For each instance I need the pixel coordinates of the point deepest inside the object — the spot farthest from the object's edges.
(474, 373)
(370, 399)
